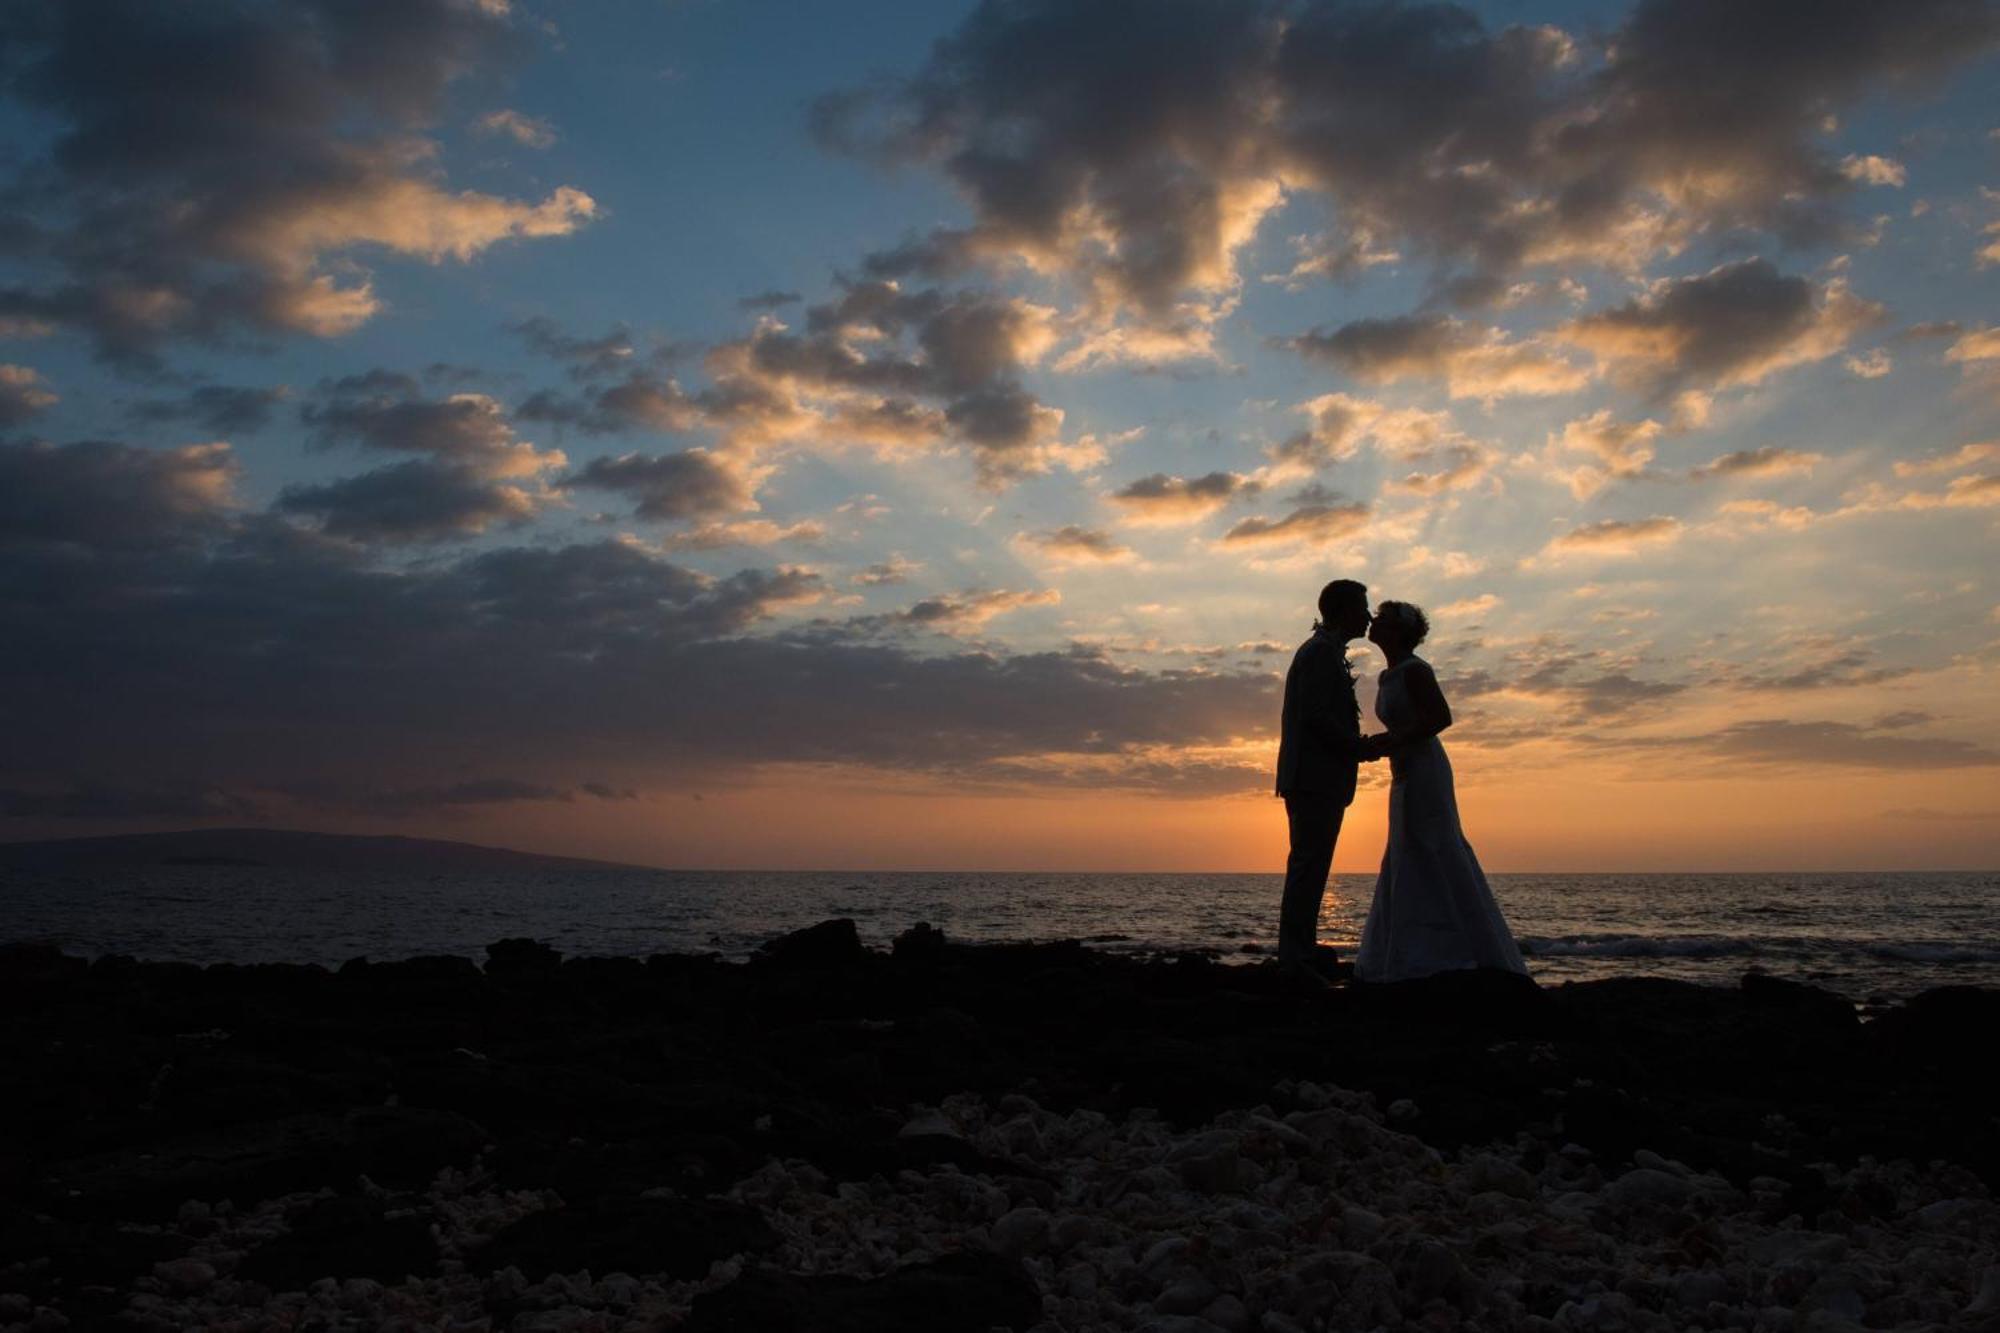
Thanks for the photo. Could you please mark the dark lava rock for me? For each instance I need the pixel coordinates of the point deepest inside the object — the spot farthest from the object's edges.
(921, 944)
(830, 944)
(47, 1257)
(692, 1163)
(341, 1238)
(1946, 1027)
(522, 959)
(678, 1237)
(35, 970)
(402, 1146)
(959, 1293)
(1485, 999)
(1802, 1004)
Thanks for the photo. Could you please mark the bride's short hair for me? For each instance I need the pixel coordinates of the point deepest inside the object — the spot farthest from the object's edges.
(1409, 618)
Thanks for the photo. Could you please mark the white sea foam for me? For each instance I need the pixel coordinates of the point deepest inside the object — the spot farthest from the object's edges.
(1643, 946)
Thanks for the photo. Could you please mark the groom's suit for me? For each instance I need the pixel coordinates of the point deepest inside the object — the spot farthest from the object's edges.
(1319, 752)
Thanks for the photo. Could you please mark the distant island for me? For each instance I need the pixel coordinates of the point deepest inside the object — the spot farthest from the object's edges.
(290, 849)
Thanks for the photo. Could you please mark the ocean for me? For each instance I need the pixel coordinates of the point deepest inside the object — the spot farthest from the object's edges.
(1870, 936)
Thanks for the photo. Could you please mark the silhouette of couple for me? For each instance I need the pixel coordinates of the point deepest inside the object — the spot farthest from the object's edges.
(1433, 911)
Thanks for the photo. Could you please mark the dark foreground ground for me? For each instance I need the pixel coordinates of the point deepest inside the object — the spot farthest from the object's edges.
(139, 1096)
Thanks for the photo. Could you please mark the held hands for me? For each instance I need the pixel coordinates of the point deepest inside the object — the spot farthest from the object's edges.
(1375, 747)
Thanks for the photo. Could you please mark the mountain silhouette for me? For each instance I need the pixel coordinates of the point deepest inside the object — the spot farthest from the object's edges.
(280, 849)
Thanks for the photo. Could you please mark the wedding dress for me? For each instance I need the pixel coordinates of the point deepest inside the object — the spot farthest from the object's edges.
(1433, 911)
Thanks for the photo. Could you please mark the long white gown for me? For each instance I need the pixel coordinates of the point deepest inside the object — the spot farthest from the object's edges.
(1433, 911)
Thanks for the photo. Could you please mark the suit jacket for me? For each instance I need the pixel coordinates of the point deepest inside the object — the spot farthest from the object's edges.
(1319, 747)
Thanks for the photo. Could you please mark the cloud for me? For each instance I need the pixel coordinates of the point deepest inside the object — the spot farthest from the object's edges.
(974, 608)
(1471, 362)
(1957, 460)
(1734, 325)
(220, 169)
(1073, 544)
(1989, 253)
(1840, 668)
(1452, 467)
(387, 411)
(1446, 458)
(1973, 491)
(1326, 255)
(24, 395)
(896, 569)
(747, 532)
(366, 665)
(421, 500)
(642, 401)
(1756, 514)
(1320, 518)
(1872, 365)
(525, 130)
(689, 484)
(443, 797)
(104, 495)
(1968, 492)
(1616, 692)
(1929, 814)
(1870, 169)
(1769, 461)
(101, 800)
(1162, 499)
(1139, 170)
(1545, 669)
(1975, 345)
(1470, 607)
(772, 299)
(1616, 536)
(878, 366)
(1341, 424)
(1786, 743)
(223, 409)
(472, 473)
(1621, 448)
(611, 353)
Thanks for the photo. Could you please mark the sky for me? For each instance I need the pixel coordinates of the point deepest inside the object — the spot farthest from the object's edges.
(719, 433)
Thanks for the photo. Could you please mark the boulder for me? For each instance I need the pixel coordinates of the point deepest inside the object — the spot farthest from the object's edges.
(522, 959)
(829, 945)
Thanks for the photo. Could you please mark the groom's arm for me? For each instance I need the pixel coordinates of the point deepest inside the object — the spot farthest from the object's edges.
(1329, 712)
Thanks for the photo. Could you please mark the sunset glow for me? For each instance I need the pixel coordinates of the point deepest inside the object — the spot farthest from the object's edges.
(600, 431)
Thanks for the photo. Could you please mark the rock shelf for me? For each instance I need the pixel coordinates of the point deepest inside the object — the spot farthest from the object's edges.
(946, 1137)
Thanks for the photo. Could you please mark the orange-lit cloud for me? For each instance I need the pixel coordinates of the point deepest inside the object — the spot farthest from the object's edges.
(1161, 499)
(23, 394)
(1075, 544)
(525, 130)
(1734, 325)
(1471, 362)
(1318, 519)
(1617, 536)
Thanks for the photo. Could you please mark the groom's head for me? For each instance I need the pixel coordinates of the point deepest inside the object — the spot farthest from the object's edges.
(1343, 607)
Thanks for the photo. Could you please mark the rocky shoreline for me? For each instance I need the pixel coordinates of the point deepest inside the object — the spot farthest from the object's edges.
(949, 1137)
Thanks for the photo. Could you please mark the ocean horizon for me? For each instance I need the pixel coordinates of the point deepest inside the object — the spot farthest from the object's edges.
(1870, 935)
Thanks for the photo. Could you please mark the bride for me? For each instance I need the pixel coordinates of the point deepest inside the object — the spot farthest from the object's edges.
(1433, 911)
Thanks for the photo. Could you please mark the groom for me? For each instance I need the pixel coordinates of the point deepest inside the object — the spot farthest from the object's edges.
(1318, 753)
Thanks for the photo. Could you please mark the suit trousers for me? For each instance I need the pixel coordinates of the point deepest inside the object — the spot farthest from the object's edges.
(1314, 818)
